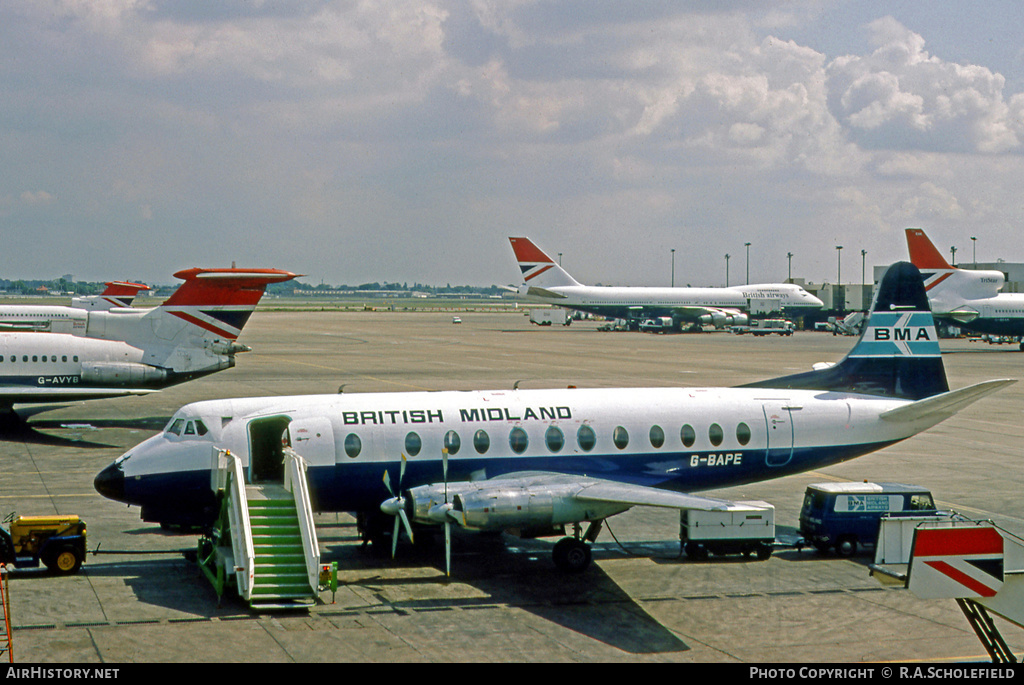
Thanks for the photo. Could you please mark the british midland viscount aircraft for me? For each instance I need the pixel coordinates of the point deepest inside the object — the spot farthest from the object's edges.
(127, 351)
(546, 282)
(534, 461)
(969, 299)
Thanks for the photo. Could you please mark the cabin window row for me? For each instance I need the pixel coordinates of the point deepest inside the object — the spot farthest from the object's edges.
(554, 439)
(37, 358)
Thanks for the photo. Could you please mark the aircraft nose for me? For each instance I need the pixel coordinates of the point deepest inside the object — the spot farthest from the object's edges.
(110, 482)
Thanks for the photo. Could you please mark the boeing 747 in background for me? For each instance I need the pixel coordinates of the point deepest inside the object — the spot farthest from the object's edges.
(544, 281)
(536, 461)
(966, 298)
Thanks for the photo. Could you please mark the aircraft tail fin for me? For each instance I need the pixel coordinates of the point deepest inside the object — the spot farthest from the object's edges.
(897, 354)
(117, 295)
(538, 269)
(949, 287)
(923, 253)
(220, 301)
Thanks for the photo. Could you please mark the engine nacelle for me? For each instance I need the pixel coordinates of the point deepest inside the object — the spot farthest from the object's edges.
(121, 373)
(720, 319)
(497, 509)
(716, 319)
(228, 347)
(501, 505)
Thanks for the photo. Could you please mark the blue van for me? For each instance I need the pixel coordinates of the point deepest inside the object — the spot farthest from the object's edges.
(846, 516)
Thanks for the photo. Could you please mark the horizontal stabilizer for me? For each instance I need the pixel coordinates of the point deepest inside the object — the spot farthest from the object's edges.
(75, 391)
(940, 407)
(10, 396)
(543, 292)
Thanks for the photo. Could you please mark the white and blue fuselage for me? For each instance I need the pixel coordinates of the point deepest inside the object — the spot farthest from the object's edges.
(614, 447)
(683, 439)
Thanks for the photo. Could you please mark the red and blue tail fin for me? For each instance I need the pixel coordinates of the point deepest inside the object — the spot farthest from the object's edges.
(122, 293)
(538, 269)
(117, 295)
(220, 301)
(923, 253)
(950, 288)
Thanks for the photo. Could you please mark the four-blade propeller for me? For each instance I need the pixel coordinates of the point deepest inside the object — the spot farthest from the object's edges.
(395, 506)
(439, 513)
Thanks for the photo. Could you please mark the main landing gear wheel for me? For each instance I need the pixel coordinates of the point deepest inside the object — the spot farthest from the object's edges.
(572, 555)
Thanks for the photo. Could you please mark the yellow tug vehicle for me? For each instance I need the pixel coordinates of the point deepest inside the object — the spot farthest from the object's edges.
(56, 541)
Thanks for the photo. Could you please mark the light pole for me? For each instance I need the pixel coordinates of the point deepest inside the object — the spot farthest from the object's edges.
(726, 269)
(673, 267)
(952, 253)
(789, 270)
(559, 259)
(839, 277)
(974, 251)
(747, 245)
(863, 256)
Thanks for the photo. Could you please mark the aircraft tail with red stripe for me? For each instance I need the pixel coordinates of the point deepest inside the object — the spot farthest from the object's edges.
(195, 331)
(117, 294)
(539, 270)
(948, 287)
(220, 301)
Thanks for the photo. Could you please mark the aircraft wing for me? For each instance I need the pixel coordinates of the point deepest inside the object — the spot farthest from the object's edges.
(587, 489)
(640, 495)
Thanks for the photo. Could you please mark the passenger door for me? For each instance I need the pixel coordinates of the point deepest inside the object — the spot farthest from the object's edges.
(313, 440)
(781, 432)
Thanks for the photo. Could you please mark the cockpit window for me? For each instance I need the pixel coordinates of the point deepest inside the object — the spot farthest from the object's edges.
(187, 427)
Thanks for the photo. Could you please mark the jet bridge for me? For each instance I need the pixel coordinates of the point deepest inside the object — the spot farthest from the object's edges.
(977, 563)
(264, 542)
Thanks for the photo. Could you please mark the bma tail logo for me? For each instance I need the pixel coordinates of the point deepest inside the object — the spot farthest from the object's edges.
(903, 334)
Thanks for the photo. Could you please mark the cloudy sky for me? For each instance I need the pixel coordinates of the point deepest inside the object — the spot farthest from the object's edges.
(404, 140)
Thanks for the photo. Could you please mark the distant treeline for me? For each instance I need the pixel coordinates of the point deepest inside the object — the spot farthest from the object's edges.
(376, 287)
(63, 286)
(57, 285)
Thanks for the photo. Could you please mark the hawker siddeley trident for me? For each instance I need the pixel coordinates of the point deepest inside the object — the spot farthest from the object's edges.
(126, 351)
(535, 461)
(62, 319)
(547, 282)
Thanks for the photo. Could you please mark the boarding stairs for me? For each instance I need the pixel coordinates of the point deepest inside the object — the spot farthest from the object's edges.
(977, 563)
(264, 543)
